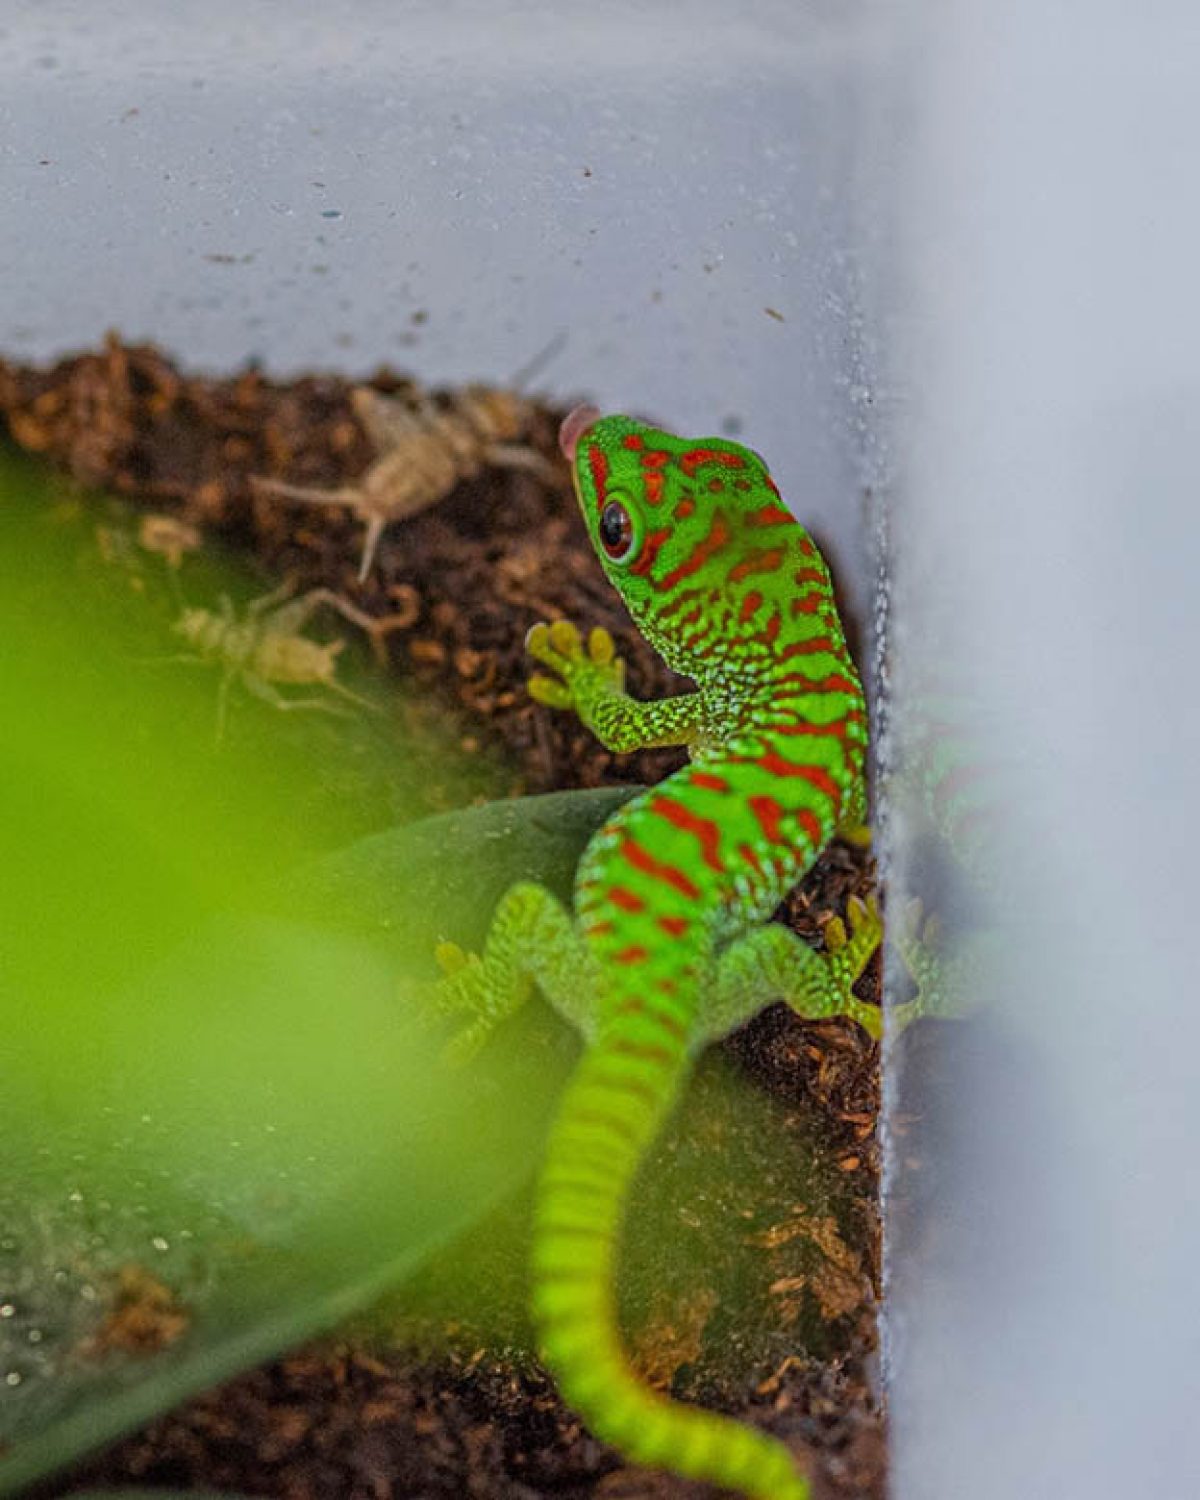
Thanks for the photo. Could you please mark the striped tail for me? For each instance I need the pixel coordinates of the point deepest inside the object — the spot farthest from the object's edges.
(614, 1107)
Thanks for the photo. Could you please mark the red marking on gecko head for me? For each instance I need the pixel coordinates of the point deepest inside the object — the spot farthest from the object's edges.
(694, 457)
(599, 462)
(574, 425)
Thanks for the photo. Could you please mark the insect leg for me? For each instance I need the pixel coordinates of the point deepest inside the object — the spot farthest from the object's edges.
(269, 693)
(509, 456)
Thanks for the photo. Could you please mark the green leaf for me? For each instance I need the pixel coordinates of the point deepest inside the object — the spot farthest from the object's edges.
(224, 1123)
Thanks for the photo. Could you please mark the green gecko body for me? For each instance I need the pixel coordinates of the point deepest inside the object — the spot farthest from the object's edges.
(669, 944)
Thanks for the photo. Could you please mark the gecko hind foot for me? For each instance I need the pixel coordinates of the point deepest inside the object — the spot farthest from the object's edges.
(466, 991)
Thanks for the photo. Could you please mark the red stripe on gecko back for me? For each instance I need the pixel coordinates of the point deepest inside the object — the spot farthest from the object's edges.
(635, 1007)
(834, 683)
(749, 604)
(813, 647)
(809, 822)
(633, 441)
(808, 605)
(717, 537)
(641, 859)
(636, 953)
(767, 560)
(835, 731)
(626, 899)
(816, 776)
(704, 830)
(673, 926)
(769, 515)
(751, 858)
(708, 781)
(768, 812)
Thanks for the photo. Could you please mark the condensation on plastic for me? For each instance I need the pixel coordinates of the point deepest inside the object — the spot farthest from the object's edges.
(1043, 1230)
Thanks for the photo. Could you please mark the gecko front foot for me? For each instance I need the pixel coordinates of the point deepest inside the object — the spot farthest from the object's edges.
(583, 671)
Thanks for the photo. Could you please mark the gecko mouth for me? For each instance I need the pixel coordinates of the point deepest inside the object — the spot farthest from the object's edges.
(575, 424)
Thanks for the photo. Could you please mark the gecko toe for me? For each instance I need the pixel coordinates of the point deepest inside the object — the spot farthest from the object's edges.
(546, 690)
(601, 647)
(564, 637)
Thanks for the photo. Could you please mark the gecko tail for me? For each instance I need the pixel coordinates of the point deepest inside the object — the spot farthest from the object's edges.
(615, 1105)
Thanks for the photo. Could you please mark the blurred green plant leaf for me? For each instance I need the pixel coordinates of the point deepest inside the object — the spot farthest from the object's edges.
(223, 1126)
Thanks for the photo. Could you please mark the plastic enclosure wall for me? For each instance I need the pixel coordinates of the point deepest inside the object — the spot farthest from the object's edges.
(449, 187)
(1045, 1230)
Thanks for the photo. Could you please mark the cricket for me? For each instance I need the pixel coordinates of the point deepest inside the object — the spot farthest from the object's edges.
(423, 452)
(264, 647)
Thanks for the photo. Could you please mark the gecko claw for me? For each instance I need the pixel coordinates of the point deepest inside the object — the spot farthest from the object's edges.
(835, 934)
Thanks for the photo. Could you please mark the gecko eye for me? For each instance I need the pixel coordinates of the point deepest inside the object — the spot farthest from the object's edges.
(617, 532)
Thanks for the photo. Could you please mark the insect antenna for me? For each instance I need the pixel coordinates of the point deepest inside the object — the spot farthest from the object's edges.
(545, 356)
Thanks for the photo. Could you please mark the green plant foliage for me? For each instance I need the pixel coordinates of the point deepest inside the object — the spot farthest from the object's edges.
(224, 1123)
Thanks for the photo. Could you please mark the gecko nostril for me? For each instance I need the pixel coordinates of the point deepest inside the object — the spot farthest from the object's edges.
(574, 425)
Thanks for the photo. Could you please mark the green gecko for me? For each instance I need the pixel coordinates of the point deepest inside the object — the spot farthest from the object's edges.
(669, 946)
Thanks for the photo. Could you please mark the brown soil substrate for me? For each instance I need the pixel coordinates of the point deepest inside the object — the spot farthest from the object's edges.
(367, 1418)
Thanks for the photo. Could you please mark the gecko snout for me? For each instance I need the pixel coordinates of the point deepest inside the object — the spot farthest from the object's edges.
(575, 424)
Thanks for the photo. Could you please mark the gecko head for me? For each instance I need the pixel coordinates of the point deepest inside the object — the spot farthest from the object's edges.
(667, 515)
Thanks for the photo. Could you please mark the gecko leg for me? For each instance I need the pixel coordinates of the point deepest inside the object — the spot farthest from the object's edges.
(591, 680)
(532, 940)
(772, 963)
